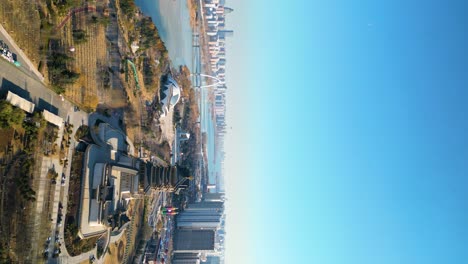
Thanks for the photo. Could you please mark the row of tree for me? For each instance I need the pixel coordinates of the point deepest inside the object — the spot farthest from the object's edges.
(23, 179)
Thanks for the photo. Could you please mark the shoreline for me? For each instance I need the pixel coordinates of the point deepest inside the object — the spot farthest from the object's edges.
(172, 20)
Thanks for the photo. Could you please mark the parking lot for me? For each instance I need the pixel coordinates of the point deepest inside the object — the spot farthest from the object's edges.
(7, 54)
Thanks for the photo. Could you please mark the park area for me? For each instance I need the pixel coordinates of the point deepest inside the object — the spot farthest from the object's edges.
(20, 161)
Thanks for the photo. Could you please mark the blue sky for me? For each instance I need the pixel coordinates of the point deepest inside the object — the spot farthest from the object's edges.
(349, 132)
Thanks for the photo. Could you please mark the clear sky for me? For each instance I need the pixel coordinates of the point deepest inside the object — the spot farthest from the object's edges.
(349, 139)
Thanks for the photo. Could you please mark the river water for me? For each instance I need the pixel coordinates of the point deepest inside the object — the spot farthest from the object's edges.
(172, 19)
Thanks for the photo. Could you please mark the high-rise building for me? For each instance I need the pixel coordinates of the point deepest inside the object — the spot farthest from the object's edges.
(201, 219)
(214, 206)
(203, 215)
(226, 33)
(191, 240)
(212, 260)
(185, 258)
(213, 197)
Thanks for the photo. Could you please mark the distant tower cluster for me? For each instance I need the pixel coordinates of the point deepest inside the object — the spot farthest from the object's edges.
(215, 13)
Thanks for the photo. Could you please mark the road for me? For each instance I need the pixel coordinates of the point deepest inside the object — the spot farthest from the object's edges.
(114, 45)
(14, 80)
(61, 195)
(26, 65)
(176, 147)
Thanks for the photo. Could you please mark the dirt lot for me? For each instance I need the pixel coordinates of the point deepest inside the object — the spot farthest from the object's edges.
(116, 251)
(21, 19)
(89, 59)
(128, 240)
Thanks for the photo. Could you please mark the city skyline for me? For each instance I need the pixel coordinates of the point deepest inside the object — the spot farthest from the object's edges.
(226, 132)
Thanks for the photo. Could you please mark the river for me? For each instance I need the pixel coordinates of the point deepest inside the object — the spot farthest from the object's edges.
(172, 19)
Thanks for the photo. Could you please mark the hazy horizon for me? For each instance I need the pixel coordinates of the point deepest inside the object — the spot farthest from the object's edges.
(348, 130)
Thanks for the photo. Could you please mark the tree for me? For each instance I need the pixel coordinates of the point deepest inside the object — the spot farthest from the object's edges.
(59, 75)
(79, 36)
(38, 118)
(10, 115)
(128, 7)
(17, 116)
(5, 113)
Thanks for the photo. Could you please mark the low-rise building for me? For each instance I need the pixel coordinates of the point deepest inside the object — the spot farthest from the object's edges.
(110, 181)
(20, 102)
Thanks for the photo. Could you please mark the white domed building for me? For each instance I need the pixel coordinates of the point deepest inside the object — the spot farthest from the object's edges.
(170, 95)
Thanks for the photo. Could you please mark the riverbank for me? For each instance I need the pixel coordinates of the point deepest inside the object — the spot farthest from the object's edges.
(193, 7)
